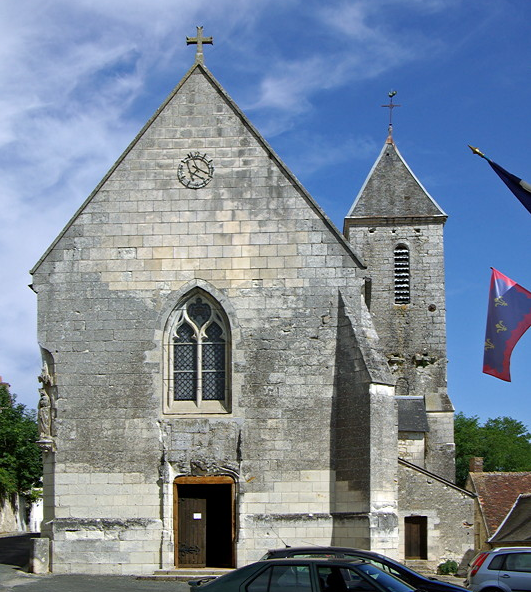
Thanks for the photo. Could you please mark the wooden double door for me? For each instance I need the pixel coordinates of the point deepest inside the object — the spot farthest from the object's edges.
(204, 521)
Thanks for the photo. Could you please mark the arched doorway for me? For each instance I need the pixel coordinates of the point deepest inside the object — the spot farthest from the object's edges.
(204, 521)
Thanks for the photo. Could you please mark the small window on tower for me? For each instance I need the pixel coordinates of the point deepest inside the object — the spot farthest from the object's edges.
(402, 275)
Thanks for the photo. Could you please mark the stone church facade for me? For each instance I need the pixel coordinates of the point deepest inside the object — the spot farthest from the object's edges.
(224, 371)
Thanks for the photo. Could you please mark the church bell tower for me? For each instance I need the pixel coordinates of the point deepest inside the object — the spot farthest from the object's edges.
(397, 227)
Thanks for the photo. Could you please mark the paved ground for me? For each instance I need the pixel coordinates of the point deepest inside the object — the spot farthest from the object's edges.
(14, 557)
(14, 580)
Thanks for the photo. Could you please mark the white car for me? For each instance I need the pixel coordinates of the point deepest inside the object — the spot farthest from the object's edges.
(505, 569)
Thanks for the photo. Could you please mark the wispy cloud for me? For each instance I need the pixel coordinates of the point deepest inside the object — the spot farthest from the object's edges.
(316, 152)
(77, 79)
(357, 42)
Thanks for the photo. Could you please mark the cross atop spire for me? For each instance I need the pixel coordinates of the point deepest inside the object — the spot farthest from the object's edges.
(390, 106)
(199, 40)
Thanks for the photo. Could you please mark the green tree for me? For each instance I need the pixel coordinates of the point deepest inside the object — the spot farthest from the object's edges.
(20, 457)
(503, 442)
(467, 444)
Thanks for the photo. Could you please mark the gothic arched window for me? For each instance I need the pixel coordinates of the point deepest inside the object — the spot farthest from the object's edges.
(402, 274)
(199, 355)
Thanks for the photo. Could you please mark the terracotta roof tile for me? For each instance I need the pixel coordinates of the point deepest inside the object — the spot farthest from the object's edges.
(497, 493)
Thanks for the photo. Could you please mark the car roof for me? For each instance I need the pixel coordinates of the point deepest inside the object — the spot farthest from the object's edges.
(323, 549)
(509, 549)
(297, 560)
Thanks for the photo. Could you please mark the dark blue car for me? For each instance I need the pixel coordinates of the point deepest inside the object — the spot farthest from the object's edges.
(386, 564)
(305, 575)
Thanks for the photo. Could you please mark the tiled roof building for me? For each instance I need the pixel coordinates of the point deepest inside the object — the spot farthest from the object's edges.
(498, 493)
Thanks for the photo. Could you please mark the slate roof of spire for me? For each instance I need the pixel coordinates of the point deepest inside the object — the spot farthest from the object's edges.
(391, 190)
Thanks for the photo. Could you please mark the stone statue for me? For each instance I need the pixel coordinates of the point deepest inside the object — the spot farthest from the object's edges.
(45, 415)
(45, 377)
(46, 408)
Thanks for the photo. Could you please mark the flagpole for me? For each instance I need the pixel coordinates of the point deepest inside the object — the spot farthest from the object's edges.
(518, 187)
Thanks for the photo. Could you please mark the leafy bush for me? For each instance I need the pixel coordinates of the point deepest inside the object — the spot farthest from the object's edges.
(447, 568)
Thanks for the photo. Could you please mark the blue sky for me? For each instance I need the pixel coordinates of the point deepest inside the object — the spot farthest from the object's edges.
(79, 79)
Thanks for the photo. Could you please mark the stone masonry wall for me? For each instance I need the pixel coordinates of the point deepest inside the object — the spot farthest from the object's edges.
(449, 511)
(413, 335)
(415, 329)
(411, 447)
(255, 241)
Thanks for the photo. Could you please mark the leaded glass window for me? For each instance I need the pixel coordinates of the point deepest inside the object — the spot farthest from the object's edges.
(199, 351)
(214, 364)
(184, 364)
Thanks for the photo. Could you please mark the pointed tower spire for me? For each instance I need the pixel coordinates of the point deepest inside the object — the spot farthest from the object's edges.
(392, 190)
(398, 228)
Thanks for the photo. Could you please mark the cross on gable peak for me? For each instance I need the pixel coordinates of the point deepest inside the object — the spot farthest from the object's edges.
(199, 40)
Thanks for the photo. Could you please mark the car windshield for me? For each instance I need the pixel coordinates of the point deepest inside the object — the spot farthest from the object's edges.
(386, 580)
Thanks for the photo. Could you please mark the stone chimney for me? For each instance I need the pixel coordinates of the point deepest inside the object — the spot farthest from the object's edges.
(476, 464)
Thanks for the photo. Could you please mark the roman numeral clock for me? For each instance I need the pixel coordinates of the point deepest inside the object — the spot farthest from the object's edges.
(195, 171)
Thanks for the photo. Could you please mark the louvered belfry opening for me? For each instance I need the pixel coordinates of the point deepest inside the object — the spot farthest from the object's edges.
(402, 275)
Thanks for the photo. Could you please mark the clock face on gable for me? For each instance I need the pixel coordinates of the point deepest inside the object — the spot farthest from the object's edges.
(195, 171)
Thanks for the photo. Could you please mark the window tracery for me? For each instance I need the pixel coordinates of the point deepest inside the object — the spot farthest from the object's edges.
(199, 353)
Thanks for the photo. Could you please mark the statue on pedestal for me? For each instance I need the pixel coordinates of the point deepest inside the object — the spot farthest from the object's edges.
(45, 411)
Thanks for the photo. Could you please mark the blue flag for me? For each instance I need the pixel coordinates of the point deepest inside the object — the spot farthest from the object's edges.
(508, 318)
(518, 187)
(521, 189)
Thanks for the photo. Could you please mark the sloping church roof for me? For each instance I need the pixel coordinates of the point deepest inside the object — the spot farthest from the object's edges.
(200, 68)
(412, 467)
(516, 527)
(391, 190)
(412, 414)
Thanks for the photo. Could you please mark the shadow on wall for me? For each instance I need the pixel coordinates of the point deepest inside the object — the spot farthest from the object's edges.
(350, 436)
(15, 549)
(463, 565)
